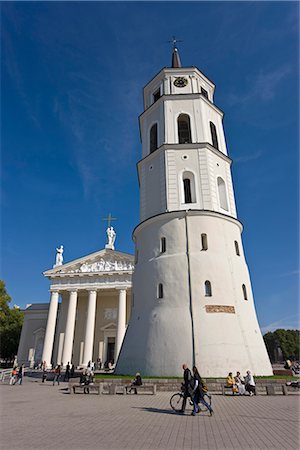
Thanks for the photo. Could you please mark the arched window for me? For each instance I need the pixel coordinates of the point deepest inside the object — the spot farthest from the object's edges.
(160, 291)
(189, 192)
(153, 138)
(237, 250)
(222, 194)
(204, 241)
(163, 245)
(214, 137)
(207, 287)
(184, 129)
(244, 292)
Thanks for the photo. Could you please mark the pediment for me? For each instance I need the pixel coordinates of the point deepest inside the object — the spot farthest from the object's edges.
(102, 262)
(109, 327)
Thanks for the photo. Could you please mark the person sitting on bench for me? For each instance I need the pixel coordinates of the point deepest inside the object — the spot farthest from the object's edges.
(230, 382)
(136, 382)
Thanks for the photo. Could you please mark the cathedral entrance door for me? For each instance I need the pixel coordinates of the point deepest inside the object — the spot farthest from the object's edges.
(111, 349)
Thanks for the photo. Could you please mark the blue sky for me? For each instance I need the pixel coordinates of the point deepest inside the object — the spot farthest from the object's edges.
(72, 79)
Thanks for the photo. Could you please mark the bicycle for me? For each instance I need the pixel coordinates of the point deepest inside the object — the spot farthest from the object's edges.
(177, 399)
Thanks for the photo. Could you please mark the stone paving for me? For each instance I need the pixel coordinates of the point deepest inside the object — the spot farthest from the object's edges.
(40, 416)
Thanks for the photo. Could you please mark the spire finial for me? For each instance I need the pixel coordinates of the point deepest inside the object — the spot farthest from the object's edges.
(175, 55)
(174, 41)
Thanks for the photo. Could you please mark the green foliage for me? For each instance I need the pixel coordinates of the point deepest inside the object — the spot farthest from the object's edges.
(287, 340)
(11, 321)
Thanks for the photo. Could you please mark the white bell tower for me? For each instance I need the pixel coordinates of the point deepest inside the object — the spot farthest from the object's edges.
(192, 297)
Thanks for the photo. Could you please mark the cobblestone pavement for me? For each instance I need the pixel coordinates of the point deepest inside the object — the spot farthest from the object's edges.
(40, 416)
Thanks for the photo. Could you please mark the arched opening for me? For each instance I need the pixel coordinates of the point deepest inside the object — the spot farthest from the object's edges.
(153, 138)
(207, 288)
(244, 292)
(214, 137)
(204, 241)
(160, 292)
(189, 191)
(222, 193)
(184, 129)
(237, 250)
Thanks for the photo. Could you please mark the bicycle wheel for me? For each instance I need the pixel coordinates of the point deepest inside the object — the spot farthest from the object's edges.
(176, 401)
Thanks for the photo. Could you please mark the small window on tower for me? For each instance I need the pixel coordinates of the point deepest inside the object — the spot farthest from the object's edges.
(153, 138)
(189, 192)
(214, 137)
(163, 245)
(160, 291)
(237, 250)
(204, 92)
(156, 95)
(207, 288)
(244, 292)
(136, 256)
(204, 241)
(222, 193)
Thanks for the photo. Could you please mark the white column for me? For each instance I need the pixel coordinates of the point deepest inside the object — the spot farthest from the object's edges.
(90, 328)
(50, 329)
(70, 325)
(121, 325)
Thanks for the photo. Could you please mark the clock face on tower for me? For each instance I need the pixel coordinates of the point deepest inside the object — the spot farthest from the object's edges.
(180, 82)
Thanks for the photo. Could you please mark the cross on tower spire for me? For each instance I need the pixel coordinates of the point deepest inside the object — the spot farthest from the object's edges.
(175, 55)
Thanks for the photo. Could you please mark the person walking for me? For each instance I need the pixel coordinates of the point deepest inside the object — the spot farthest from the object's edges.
(67, 372)
(198, 393)
(72, 371)
(21, 372)
(56, 375)
(13, 376)
(187, 386)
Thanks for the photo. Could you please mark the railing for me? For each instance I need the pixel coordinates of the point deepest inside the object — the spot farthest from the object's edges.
(5, 374)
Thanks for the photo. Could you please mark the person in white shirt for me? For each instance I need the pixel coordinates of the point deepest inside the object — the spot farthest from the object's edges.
(249, 383)
(240, 382)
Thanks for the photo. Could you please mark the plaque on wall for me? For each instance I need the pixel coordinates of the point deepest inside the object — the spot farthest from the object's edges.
(219, 309)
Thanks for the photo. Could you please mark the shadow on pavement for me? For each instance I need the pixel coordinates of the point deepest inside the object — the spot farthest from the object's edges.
(157, 410)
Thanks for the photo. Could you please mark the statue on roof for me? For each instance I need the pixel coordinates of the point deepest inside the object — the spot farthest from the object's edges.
(111, 237)
(59, 256)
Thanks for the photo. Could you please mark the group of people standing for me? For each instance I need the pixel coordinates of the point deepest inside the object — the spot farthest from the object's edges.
(195, 388)
(17, 375)
(240, 385)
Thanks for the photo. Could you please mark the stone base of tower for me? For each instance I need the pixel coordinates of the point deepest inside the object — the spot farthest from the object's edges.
(218, 330)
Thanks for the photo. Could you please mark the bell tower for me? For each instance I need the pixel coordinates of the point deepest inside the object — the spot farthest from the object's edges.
(192, 297)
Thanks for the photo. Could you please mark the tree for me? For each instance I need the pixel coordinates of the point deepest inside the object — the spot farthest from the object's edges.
(11, 321)
(285, 340)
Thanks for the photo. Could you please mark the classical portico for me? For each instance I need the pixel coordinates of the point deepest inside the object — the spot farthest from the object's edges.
(90, 303)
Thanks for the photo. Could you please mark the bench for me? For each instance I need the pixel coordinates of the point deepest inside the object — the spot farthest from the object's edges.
(143, 389)
(271, 389)
(225, 387)
(89, 387)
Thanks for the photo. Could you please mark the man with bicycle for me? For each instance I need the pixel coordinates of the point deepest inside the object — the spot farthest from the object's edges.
(186, 386)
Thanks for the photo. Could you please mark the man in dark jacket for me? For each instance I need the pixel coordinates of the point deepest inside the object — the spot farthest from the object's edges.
(188, 388)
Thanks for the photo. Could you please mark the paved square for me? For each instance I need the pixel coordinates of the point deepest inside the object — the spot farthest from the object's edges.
(40, 416)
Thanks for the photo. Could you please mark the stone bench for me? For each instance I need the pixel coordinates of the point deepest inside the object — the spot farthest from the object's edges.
(143, 389)
(225, 389)
(81, 387)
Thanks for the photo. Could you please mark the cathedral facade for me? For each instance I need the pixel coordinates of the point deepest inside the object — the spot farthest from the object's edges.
(90, 304)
